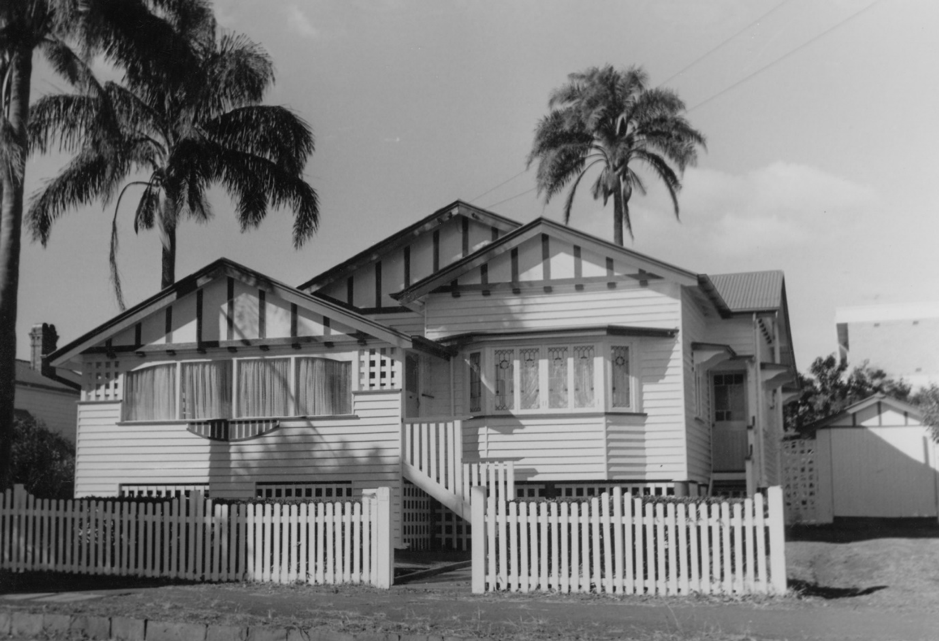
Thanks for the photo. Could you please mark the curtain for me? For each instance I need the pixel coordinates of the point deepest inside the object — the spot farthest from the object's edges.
(620, 365)
(264, 387)
(150, 394)
(324, 387)
(583, 376)
(206, 390)
(528, 363)
(557, 377)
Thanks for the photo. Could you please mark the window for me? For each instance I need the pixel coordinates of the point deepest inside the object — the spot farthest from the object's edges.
(150, 394)
(324, 387)
(205, 391)
(536, 378)
(475, 382)
(264, 387)
(619, 375)
(729, 401)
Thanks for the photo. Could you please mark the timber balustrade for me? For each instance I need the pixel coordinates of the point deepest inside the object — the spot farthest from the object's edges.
(432, 450)
(622, 544)
(194, 538)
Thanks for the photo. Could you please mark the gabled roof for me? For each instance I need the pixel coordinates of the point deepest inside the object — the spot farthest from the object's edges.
(544, 225)
(751, 291)
(219, 268)
(874, 399)
(404, 237)
(27, 376)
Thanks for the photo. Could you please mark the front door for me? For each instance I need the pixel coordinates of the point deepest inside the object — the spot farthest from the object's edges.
(729, 444)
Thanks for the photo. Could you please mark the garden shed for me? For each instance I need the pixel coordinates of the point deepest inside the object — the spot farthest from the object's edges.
(876, 459)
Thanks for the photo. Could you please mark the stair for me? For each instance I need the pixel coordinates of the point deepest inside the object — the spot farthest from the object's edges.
(432, 459)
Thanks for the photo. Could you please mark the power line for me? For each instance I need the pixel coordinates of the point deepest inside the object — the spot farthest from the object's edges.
(784, 56)
(708, 53)
(499, 185)
(513, 197)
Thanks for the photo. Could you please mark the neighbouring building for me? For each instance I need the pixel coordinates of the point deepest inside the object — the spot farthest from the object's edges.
(461, 343)
(45, 392)
(901, 339)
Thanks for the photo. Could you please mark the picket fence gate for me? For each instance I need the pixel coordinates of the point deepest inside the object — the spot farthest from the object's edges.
(625, 545)
(193, 538)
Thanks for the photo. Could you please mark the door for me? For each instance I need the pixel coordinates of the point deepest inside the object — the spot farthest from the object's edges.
(729, 443)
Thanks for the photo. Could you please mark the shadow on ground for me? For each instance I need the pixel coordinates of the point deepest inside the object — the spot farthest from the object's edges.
(806, 589)
(847, 530)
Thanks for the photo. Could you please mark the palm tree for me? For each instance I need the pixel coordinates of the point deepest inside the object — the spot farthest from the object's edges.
(109, 26)
(609, 118)
(182, 134)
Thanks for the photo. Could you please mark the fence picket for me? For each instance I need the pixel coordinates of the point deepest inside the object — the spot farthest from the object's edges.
(738, 548)
(514, 571)
(672, 549)
(574, 568)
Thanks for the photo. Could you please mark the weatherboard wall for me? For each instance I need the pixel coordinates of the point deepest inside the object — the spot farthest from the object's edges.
(363, 449)
(697, 420)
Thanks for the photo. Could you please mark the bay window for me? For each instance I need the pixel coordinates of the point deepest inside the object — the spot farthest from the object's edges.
(263, 387)
(551, 377)
(324, 387)
(205, 391)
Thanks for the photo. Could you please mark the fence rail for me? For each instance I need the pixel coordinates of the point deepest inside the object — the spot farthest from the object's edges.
(621, 544)
(196, 539)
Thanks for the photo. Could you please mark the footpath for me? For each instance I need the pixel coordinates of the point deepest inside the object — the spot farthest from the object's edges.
(433, 608)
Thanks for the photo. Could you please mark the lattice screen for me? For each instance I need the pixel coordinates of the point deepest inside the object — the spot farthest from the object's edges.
(102, 381)
(415, 517)
(303, 490)
(800, 474)
(378, 369)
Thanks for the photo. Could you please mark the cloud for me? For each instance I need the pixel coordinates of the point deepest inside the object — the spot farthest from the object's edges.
(300, 23)
(780, 207)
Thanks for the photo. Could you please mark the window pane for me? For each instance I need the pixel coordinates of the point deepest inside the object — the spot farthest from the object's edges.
(475, 383)
(150, 394)
(505, 379)
(324, 387)
(583, 376)
(263, 387)
(729, 397)
(557, 377)
(620, 376)
(206, 390)
(530, 383)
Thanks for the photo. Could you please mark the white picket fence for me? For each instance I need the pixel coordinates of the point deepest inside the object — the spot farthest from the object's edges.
(192, 538)
(625, 545)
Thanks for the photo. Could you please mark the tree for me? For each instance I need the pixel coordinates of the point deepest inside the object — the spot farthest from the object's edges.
(184, 133)
(927, 400)
(43, 461)
(827, 390)
(610, 119)
(113, 27)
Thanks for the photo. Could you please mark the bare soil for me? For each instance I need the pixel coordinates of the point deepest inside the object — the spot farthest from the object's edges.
(854, 580)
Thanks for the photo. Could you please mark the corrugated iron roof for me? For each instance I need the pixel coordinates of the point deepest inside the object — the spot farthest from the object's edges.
(26, 375)
(750, 291)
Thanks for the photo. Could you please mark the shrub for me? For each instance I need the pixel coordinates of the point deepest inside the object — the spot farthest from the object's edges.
(43, 461)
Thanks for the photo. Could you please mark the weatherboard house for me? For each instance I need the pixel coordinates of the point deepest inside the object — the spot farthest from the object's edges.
(463, 348)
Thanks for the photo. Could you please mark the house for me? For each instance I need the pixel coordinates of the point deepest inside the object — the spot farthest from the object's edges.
(901, 339)
(875, 458)
(45, 392)
(465, 338)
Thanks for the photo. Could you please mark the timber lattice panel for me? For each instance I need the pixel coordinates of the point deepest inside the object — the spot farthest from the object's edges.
(800, 476)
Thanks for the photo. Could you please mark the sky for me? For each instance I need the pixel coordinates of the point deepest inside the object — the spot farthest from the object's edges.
(820, 118)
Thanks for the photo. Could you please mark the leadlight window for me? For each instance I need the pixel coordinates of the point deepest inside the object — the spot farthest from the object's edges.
(504, 362)
(620, 384)
(529, 378)
(475, 378)
(557, 377)
(583, 371)
(150, 394)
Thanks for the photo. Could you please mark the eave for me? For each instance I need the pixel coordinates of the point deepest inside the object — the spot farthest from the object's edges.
(563, 332)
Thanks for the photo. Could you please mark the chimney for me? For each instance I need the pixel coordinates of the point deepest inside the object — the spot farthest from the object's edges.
(42, 342)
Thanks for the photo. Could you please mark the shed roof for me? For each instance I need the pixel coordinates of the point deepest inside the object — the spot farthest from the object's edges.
(878, 399)
(26, 375)
(751, 291)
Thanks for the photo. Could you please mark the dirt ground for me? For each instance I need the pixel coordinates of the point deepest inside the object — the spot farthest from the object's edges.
(858, 580)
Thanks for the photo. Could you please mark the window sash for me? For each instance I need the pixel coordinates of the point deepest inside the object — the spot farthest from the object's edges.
(206, 389)
(150, 394)
(620, 383)
(263, 387)
(324, 387)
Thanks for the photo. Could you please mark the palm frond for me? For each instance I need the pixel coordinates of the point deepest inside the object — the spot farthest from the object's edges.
(147, 206)
(12, 154)
(65, 62)
(66, 118)
(236, 75)
(275, 133)
(569, 201)
(665, 173)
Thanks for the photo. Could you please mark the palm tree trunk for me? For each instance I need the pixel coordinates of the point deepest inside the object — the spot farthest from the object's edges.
(168, 257)
(11, 221)
(618, 217)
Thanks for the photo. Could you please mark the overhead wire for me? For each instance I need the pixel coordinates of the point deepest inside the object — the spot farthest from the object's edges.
(726, 89)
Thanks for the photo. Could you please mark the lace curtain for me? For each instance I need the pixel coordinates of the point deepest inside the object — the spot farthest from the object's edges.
(264, 387)
(583, 376)
(150, 394)
(206, 390)
(324, 387)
